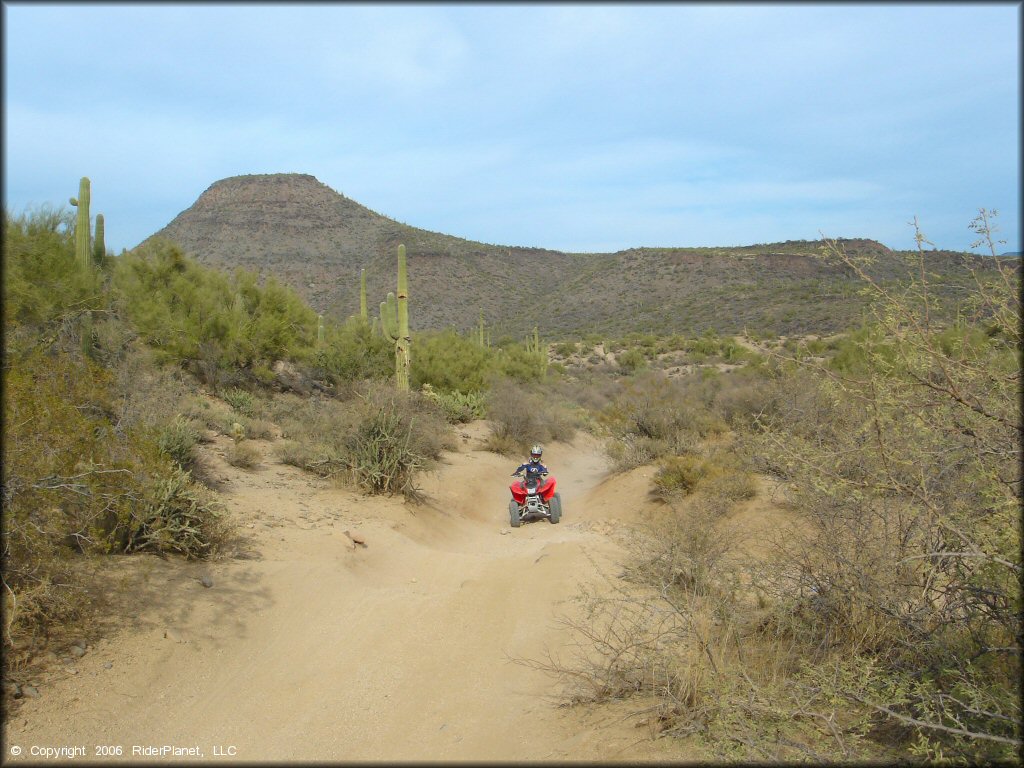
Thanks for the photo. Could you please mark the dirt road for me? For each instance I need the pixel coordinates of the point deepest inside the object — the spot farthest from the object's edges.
(310, 647)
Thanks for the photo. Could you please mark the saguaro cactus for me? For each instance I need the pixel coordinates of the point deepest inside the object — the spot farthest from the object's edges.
(319, 330)
(362, 295)
(99, 247)
(82, 224)
(482, 333)
(394, 322)
(533, 346)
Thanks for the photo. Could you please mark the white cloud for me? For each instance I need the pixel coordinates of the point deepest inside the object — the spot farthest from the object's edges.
(405, 57)
(545, 124)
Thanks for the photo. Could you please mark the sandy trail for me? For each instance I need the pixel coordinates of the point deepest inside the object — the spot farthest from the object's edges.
(307, 647)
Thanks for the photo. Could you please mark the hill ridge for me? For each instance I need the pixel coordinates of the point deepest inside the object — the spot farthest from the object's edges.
(316, 239)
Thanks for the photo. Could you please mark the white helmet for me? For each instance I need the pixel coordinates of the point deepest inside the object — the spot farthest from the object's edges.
(535, 453)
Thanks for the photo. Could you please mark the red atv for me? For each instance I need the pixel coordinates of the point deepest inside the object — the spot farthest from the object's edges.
(534, 497)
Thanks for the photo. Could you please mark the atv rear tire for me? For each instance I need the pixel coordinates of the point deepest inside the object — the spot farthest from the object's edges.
(556, 508)
(513, 514)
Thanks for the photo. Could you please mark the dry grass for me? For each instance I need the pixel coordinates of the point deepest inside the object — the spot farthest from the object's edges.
(243, 454)
(521, 416)
(378, 438)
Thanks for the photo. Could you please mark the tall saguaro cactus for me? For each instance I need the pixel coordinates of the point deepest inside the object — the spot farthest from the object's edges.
(394, 322)
(362, 295)
(82, 224)
(483, 334)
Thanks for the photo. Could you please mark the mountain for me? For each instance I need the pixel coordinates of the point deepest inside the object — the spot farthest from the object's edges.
(316, 240)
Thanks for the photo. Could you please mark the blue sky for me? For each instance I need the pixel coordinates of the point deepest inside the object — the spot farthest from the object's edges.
(577, 127)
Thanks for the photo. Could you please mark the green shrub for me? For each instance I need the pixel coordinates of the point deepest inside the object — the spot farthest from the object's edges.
(458, 407)
(175, 515)
(817, 346)
(381, 454)
(213, 324)
(353, 352)
(379, 438)
(680, 475)
(902, 583)
(517, 363)
(92, 452)
(449, 362)
(865, 350)
(565, 348)
(733, 483)
(708, 345)
(631, 360)
(217, 417)
(43, 282)
(240, 400)
(178, 439)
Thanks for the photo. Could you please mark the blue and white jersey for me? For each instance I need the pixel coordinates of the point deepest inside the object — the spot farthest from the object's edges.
(532, 469)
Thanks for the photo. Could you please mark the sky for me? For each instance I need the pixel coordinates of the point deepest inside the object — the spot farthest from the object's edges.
(576, 127)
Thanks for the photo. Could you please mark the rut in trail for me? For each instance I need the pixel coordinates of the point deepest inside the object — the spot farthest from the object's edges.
(308, 646)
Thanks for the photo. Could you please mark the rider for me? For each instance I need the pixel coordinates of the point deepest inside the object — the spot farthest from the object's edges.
(533, 467)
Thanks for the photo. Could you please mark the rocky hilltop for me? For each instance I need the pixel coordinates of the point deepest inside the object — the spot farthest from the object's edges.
(316, 240)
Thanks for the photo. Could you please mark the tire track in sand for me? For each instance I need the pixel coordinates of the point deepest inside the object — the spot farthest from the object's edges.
(309, 648)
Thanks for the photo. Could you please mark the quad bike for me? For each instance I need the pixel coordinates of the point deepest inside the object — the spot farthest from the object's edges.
(534, 497)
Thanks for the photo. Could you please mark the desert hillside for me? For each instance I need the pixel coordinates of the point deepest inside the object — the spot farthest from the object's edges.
(316, 240)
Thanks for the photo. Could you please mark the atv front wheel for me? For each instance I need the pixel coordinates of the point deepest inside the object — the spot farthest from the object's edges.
(556, 508)
(513, 514)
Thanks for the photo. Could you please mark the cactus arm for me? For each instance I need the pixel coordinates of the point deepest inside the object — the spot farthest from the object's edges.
(389, 319)
(384, 325)
(99, 247)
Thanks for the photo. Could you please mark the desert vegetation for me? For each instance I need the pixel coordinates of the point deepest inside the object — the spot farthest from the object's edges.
(880, 618)
(117, 367)
(876, 615)
(105, 359)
